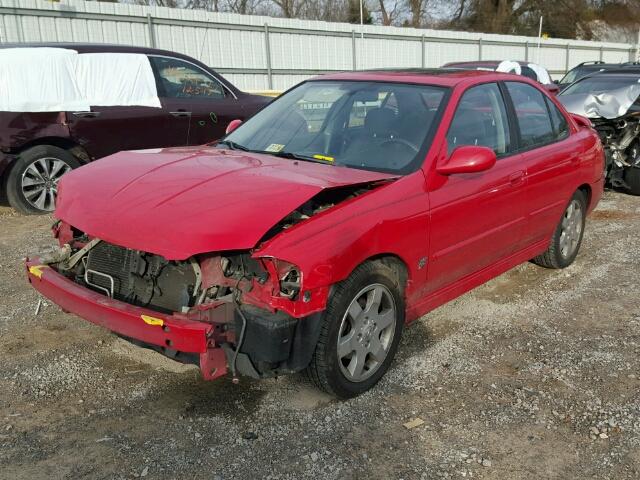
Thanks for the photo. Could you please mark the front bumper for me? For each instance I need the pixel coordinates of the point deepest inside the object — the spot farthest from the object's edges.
(172, 332)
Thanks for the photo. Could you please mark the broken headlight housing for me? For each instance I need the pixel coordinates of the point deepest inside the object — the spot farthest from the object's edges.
(290, 283)
(289, 277)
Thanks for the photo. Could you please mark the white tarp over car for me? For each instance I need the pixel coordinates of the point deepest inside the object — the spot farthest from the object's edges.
(509, 66)
(541, 73)
(39, 80)
(60, 79)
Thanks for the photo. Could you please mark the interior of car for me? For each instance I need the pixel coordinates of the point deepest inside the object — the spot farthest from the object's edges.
(366, 125)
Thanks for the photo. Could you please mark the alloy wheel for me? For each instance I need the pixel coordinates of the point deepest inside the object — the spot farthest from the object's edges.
(571, 229)
(40, 182)
(366, 332)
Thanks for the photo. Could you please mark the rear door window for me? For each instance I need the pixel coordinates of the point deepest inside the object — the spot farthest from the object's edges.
(481, 119)
(179, 79)
(532, 115)
(559, 122)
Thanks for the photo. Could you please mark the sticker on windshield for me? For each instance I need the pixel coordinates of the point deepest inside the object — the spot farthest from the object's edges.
(274, 147)
(324, 157)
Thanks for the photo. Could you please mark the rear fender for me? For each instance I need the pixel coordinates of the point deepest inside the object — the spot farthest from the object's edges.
(22, 130)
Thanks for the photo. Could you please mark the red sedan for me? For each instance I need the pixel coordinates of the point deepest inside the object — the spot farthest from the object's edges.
(311, 234)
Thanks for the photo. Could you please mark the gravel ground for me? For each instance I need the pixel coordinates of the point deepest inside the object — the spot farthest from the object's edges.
(533, 375)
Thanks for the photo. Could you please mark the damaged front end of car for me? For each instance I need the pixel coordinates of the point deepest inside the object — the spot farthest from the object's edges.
(615, 115)
(242, 312)
(621, 140)
(223, 312)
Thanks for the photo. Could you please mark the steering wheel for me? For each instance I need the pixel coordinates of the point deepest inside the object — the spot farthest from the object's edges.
(401, 141)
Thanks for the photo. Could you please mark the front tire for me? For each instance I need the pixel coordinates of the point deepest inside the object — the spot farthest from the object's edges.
(33, 179)
(361, 329)
(567, 238)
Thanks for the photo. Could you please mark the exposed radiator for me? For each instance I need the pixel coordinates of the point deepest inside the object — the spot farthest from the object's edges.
(113, 261)
(140, 278)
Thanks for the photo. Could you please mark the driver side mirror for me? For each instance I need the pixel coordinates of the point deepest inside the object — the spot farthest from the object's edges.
(233, 124)
(468, 159)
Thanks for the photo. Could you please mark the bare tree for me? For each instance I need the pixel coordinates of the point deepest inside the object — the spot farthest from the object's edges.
(418, 11)
(291, 8)
(246, 7)
(389, 13)
(211, 5)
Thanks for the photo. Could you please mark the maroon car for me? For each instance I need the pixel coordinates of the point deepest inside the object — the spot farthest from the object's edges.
(37, 148)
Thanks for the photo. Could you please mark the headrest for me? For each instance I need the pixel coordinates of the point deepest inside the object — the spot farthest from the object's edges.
(379, 121)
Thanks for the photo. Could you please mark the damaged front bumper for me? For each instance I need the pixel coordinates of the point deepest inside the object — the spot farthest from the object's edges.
(270, 344)
(169, 332)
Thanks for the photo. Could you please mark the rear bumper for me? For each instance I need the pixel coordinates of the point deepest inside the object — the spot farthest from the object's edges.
(171, 332)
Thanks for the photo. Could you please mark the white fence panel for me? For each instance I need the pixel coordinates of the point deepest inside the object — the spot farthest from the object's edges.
(257, 52)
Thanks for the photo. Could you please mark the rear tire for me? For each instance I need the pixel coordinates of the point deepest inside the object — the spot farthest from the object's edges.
(365, 313)
(567, 238)
(33, 179)
(632, 179)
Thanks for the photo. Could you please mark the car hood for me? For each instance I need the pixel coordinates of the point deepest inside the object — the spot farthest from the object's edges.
(183, 201)
(611, 104)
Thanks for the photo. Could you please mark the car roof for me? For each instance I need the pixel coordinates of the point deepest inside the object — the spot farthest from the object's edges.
(486, 63)
(607, 66)
(621, 71)
(447, 77)
(99, 48)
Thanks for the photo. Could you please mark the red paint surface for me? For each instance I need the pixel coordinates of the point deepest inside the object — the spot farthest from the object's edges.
(185, 201)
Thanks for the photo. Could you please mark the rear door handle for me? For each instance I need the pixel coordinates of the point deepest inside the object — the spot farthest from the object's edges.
(180, 113)
(516, 177)
(86, 114)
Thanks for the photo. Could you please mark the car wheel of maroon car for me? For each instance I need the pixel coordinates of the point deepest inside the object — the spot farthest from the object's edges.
(567, 237)
(360, 333)
(33, 180)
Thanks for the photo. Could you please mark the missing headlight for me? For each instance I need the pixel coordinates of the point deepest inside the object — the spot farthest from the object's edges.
(290, 284)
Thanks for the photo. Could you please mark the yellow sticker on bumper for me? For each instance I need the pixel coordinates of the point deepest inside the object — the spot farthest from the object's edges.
(152, 320)
(36, 270)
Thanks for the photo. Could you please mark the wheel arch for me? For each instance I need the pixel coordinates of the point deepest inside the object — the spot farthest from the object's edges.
(79, 152)
(393, 261)
(586, 189)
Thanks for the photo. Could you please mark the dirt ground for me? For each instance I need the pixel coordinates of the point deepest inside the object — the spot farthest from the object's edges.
(535, 375)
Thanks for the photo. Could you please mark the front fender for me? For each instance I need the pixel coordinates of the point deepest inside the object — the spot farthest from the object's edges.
(392, 219)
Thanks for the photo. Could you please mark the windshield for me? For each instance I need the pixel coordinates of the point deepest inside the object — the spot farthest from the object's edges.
(601, 83)
(573, 75)
(370, 125)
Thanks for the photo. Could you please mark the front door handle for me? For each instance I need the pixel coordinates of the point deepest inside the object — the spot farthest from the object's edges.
(180, 113)
(86, 114)
(516, 178)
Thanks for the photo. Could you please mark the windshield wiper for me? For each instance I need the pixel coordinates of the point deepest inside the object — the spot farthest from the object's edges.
(233, 145)
(290, 155)
(297, 156)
